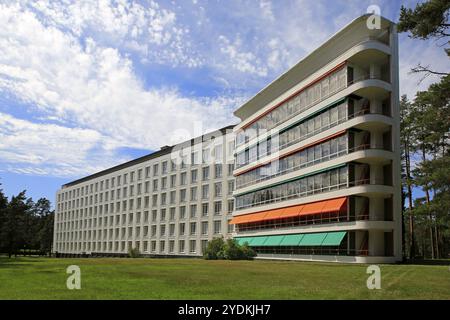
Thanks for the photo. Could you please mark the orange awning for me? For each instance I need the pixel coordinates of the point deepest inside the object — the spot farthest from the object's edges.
(274, 214)
(290, 212)
(332, 205)
(313, 208)
(335, 205)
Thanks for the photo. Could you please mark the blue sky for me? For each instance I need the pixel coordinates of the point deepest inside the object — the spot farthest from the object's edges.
(85, 85)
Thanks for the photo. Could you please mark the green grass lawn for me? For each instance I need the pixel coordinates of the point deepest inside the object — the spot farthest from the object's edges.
(107, 278)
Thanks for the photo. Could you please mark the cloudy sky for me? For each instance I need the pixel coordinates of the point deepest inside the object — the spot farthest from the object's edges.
(85, 85)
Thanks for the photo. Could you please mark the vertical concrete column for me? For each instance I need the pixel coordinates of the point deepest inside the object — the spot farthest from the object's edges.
(376, 174)
(376, 139)
(376, 208)
(376, 243)
(376, 106)
(375, 71)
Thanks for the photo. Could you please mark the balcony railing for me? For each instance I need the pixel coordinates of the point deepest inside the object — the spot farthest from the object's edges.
(302, 194)
(310, 251)
(322, 98)
(280, 147)
(291, 223)
(310, 163)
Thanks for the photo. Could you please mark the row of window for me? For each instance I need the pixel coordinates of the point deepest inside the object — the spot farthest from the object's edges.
(78, 216)
(301, 131)
(135, 232)
(145, 201)
(322, 182)
(123, 179)
(295, 105)
(125, 246)
(307, 157)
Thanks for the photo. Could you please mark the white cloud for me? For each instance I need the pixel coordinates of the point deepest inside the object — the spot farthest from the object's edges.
(33, 148)
(93, 87)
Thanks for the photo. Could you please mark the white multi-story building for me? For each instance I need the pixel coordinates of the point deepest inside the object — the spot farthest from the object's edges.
(318, 154)
(316, 167)
(170, 202)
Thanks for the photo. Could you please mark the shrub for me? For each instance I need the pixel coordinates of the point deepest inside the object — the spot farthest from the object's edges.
(134, 253)
(214, 249)
(229, 250)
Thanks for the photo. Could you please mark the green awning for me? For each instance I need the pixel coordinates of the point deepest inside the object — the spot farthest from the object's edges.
(300, 239)
(243, 240)
(334, 238)
(313, 239)
(291, 240)
(274, 240)
(258, 241)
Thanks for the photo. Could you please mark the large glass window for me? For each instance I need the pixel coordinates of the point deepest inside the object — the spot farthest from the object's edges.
(295, 105)
(299, 132)
(321, 182)
(301, 159)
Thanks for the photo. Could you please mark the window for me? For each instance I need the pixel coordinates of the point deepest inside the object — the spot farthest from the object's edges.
(192, 246)
(163, 214)
(162, 230)
(163, 198)
(181, 229)
(218, 189)
(230, 169)
(193, 228)
(217, 226)
(182, 195)
(193, 210)
(173, 181)
(230, 187)
(155, 169)
(172, 197)
(194, 176)
(205, 173)
(163, 183)
(218, 153)
(205, 207)
(171, 230)
(230, 206)
(193, 193)
(181, 246)
(171, 246)
(183, 178)
(172, 214)
(164, 167)
(218, 171)
(204, 227)
(205, 191)
(182, 212)
(218, 207)
(155, 185)
(162, 246)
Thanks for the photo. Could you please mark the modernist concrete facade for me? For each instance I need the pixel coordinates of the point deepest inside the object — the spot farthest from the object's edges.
(170, 202)
(312, 171)
(317, 154)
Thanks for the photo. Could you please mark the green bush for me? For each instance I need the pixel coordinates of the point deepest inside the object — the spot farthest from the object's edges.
(214, 249)
(134, 253)
(229, 250)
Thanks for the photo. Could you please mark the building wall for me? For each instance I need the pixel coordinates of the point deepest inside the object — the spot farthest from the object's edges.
(86, 222)
(369, 87)
(361, 66)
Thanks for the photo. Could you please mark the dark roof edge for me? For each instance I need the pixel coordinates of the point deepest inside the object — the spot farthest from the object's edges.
(165, 150)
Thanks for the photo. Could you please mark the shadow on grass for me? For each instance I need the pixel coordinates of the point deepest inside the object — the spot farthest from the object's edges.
(429, 262)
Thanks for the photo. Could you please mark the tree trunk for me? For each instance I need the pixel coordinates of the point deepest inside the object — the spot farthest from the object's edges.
(430, 216)
(412, 248)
